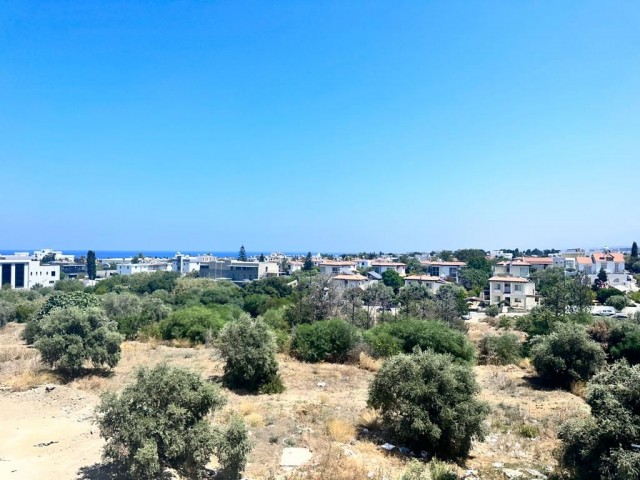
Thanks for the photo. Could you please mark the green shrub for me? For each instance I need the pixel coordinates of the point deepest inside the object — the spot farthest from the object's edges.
(232, 451)
(69, 285)
(600, 446)
(68, 337)
(160, 421)
(7, 313)
(326, 340)
(492, 311)
(58, 300)
(567, 355)
(500, 349)
(617, 301)
(505, 322)
(382, 344)
(249, 348)
(197, 324)
(621, 341)
(275, 319)
(603, 294)
(428, 402)
(425, 334)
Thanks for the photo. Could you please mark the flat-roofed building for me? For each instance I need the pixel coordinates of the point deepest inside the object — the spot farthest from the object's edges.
(23, 272)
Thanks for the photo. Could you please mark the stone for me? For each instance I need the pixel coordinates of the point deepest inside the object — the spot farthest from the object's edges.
(295, 457)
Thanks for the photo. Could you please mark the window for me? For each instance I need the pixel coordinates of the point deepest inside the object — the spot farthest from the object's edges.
(517, 287)
(19, 275)
(6, 274)
(53, 273)
(496, 286)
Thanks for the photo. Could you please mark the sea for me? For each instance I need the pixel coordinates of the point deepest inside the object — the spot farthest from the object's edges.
(150, 253)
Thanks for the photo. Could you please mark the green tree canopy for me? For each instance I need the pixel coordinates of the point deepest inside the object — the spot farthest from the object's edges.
(428, 402)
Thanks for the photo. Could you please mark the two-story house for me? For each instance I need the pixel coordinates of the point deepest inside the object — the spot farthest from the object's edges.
(336, 267)
(446, 270)
(517, 292)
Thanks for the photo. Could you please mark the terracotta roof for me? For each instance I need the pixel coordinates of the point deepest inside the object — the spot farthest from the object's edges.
(349, 277)
(538, 260)
(509, 279)
(423, 278)
(388, 264)
(584, 260)
(444, 264)
(608, 257)
(521, 263)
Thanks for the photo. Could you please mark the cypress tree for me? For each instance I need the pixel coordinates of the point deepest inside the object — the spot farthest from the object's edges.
(308, 263)
(634, 251)
(242, 256)
(91, 265)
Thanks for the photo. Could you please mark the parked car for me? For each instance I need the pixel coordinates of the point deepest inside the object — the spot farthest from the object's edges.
(604, 311)
(620, 315)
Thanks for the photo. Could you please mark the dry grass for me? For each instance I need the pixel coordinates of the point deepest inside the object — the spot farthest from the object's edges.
(340, 430)
(369, 363)
(370, 419)
(578, 388)
(333, 463)
(254, 420)
(31, 379)
(16, 353)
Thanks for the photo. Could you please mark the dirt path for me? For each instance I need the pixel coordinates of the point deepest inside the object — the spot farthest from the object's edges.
(47, 434)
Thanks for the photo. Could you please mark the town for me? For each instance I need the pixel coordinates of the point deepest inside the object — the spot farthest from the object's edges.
(502, 278)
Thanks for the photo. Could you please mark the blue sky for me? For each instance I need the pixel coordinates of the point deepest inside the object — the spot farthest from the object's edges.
(312, 125)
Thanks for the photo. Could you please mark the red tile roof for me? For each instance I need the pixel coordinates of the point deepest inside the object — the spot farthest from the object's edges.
(509, 279)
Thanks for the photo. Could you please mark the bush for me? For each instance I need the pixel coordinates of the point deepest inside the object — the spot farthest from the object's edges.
(133, 313)
(603, 294)
(567, 355)
(7, 313)
(622, 341)
(500, 349)
(68, 337)
(160, 421)
(232, 451)
(404, 335)
(326, 340)
(249, 348)
(197, 324)
(617, 301)
(492, 311)
(428, 402)
(69, 285)
(58, 300)
(601, 446)
(274, 318)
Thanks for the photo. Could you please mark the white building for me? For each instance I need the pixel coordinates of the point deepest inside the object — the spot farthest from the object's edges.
(516, 268)
(612, 263)
(346, 282)
(516, 292)
(59, 256)
(381, 267)
(186, 264)
(336, 267)
(429, 281)
(444, 269)
(133, 268)
(501, 254)
(23, 272)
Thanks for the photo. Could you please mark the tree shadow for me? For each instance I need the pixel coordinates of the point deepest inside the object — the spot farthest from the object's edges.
(102, 471)
(536, 383)
(67, 377)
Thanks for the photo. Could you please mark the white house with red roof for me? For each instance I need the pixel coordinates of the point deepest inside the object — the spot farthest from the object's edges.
(610, 262)
(516, 292)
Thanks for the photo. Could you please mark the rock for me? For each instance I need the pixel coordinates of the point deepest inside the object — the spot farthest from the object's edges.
(498, 465)
(535, 473)
(509, 473)
(321, 384)
(295, 457)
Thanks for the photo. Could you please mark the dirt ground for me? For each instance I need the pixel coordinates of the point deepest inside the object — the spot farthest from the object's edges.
(47, 429)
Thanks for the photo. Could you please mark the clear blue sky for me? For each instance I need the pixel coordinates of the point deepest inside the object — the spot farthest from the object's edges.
(312, 125)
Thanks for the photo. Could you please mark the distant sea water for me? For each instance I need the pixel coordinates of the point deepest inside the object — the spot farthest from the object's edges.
(149, 253)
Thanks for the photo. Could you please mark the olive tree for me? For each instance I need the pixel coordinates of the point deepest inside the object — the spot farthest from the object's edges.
(249, 348)
(7, 313)
(159, 422)
(567, 355)
(428, 402)
(68, 337)
(602, 445)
